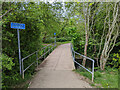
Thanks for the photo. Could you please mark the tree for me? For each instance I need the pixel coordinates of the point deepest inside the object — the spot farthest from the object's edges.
(112, 33)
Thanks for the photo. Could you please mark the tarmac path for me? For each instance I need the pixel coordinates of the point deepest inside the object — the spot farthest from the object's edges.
(56, 71)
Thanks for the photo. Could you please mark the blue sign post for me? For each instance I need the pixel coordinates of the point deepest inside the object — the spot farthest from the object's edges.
(54, 33)
(18, 26)
(55, 38)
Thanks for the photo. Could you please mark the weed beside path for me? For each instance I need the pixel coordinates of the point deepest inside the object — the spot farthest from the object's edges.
(102, 79)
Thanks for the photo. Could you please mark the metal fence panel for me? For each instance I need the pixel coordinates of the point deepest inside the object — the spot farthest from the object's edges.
(73, 55)
(36, 52)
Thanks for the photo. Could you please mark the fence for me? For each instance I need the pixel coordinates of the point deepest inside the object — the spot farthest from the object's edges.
(73, 55)
(37, 58)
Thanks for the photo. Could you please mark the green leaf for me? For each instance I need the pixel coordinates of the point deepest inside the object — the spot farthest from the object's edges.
(91, 4)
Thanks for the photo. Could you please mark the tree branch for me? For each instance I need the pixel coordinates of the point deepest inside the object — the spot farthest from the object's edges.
(113, 44)
(5, 13)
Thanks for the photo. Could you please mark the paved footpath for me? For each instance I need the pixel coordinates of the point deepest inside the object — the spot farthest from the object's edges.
(56, 71)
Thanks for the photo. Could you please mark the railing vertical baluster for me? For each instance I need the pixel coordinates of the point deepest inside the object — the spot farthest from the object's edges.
(37, 58)
(23, 75)
(41, 52)
(93, 72)
(36, 52)
(44, 53)
(22, 69)
(52, 48)
(74, 55)
(49, 50)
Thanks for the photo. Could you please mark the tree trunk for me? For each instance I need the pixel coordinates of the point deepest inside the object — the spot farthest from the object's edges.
(85, 49)
(103, 61)
(110, 39)
(86, 14)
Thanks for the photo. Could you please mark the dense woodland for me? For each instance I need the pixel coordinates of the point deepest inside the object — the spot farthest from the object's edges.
(92, 27)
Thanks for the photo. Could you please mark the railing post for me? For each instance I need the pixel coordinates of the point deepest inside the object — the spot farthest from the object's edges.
(49, 50)
(19, 50)
(41, 52)
(74, 55)
(22, 69)
(44, 53)
(93, 72)
(55, 42)
(37, 58)
(52, 48)
(23, 75)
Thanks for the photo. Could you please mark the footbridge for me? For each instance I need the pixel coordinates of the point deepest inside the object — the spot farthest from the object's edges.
(56, 71)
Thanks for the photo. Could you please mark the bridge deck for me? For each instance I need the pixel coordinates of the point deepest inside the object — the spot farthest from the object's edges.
(56, 71)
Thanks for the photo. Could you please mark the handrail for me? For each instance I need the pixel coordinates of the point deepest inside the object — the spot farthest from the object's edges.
(73, 55)
(36, 52)
(84, 56)
(28, 56)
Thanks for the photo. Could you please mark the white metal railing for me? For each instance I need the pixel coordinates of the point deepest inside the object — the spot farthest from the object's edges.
(73, 55)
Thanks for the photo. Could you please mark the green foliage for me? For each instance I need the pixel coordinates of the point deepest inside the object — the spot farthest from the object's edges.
(78, 43)
(91, 4)
(116, 60)
(96, 32)
(42, 20)
(106, 79)
(39, 23)
(59, 43)
(7, 62)
(114, 63)
(63, 39)
(97, 74)
(49, 40)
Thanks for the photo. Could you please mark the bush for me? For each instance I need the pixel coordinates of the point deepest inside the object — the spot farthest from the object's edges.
(63, 39)
(7, 64)
(77, 43)
(30, 41)
(114, 61)
(49, 40)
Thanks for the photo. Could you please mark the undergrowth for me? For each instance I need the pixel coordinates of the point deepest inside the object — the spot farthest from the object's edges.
(106, 79)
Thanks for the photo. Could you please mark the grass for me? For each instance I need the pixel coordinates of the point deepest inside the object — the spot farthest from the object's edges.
(59, 43)
(21, 83)
(105, 79)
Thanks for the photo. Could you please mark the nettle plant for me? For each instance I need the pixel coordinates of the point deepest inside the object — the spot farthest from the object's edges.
(116, 60)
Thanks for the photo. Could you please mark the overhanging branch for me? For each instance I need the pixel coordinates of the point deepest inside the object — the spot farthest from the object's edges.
(5, 13)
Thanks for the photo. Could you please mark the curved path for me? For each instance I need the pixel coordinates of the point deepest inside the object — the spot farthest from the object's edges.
(56, 71)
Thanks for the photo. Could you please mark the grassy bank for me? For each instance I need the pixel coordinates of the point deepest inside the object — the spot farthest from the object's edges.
(102, 79)
(59, 43)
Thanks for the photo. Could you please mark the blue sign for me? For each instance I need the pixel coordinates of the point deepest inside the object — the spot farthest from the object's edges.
(54, 33)
(17, 25)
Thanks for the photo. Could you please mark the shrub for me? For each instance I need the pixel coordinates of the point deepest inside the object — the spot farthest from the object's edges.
(7, 64)
(49, 40)
(63, 39)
